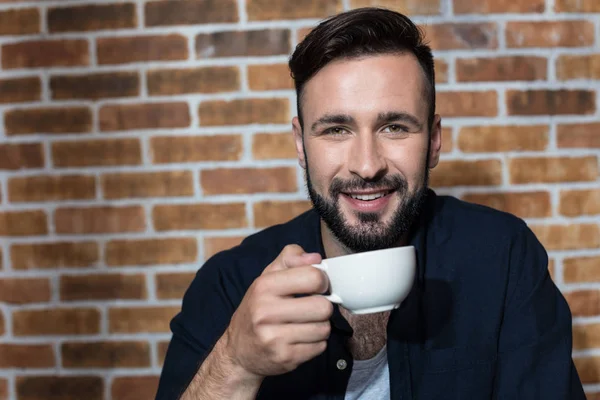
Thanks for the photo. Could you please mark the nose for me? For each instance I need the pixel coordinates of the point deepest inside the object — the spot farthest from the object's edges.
(366, 159)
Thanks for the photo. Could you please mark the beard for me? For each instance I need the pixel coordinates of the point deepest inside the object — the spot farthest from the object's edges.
(370, 233)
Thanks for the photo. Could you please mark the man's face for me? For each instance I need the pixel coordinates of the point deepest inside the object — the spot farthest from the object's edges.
(366, 147)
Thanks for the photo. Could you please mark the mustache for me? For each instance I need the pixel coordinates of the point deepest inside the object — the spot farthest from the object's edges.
(389, 182)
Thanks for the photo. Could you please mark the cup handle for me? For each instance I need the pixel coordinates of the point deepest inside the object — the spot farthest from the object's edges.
(334, 298)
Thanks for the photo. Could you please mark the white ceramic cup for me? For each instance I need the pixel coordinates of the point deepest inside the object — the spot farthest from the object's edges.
(373, 281)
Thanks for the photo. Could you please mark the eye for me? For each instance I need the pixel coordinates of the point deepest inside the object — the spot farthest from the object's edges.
(395, 129)
(335, 131)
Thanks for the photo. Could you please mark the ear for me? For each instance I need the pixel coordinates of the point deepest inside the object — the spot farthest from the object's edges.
(298, 141)
(435, 138)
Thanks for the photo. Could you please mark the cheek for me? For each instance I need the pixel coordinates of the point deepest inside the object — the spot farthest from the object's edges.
(324, 164)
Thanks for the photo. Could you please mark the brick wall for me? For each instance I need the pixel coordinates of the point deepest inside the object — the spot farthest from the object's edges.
(138, 137)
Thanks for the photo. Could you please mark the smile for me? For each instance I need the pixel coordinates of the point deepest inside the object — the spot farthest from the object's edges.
(369, 196)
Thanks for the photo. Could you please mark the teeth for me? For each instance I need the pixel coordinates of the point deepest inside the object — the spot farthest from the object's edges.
(366, 197)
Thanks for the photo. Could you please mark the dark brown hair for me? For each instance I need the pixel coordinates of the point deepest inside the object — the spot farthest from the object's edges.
(357, 33)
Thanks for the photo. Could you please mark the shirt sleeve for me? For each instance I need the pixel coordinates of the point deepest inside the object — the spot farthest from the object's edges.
(205, 314)
(535, 342)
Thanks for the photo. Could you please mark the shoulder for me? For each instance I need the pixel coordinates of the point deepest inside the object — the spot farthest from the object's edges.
(476, 222)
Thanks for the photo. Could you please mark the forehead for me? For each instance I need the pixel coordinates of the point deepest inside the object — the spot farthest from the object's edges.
(367, 85)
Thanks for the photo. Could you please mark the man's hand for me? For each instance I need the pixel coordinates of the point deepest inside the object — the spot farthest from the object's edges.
(272, 332)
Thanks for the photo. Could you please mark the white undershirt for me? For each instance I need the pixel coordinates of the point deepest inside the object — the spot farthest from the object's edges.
(370, 379)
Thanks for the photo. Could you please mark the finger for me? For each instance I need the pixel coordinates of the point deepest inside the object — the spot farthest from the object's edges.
(299, 310)
(298, 280)
(306, 333)
(307, 351)
(297, 260)
(293, 255)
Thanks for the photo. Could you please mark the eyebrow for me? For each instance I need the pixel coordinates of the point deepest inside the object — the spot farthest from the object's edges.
(332, 119)
(393, 116)
(384, 117)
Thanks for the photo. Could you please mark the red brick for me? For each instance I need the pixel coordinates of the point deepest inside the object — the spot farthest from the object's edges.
(578, 67)
(2, 330)
(580, 202)
(199, 216)
(578, 135)
(584, 303)
(54, 255)
(503, 138)
(407, 7)
(92, 17)
(498, 6)
(119, 117)
(101, 152)
(59, 387)
(244, 111)
(586, 336)
(509, 68)
(582, 269)
(553, 169)
(24, 290)
(95, 86)
(467, 173)
(173, 285)
(193, 80)
(265, 42)
(214, 245)
(46, 53)
(549, 34)
(141, 319)
(103, 287)
(162, 352)
(21, 156)
(23, 223)
(588, 369)
(457, 36)
(17, 90)
(124, 185)
(441, 71)
(268, 213)
(269, 77)
(56, 321)
(467, 104)
(248, 180)
(269, 146)
(550, 102)
(576, 6)
(522, 204)
(14, 355)
(151, 251)
(19, 21)
(101, 219)
(181, 149)
(261, 10)
(134, 49)
(51, 188)
(134, 387)
(48, 120)
(190, 12)
(3, 389)
(122, 354)
(568, 237)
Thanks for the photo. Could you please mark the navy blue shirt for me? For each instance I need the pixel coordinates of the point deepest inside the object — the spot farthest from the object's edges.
(483, 320)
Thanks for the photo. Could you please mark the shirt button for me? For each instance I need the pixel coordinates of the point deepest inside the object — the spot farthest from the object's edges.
(341, 364)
